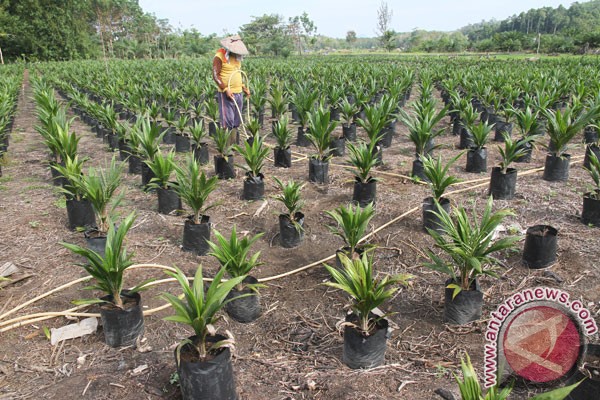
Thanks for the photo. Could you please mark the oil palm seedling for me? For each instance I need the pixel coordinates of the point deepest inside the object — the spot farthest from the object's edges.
(304, 101)
(277, 100)
(363, 158)
(438, 180)
(291, 222)
(99, 187)
(321, 127)
(282, 154)
(258, 100)
(503, 181)
(351, 225)
(422, 130)
(347, 112)
(182, 139)
(477, 154)
(527, 122)
(469, 244)
(470, 388)
(199, 145)
(212, 115)
(79, 209)
(121, 313)
(224, 164)
(253, 126)
(162, 167)
(233, 254)
(194, 188)
(389, 105)
(254, 154)
(468, 116)
(373, 123)
(591, 200)
(506, 115)
(365, 333)
(148, 136)
(562, 128)
(204, 359)
(169, 116)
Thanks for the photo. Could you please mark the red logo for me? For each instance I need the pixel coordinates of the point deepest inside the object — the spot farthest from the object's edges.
(541, 344)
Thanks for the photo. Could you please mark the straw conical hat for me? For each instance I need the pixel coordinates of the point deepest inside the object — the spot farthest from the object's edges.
(235, 45)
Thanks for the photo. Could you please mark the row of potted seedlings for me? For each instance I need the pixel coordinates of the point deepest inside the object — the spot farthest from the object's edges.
(458, 279)
(9, 89)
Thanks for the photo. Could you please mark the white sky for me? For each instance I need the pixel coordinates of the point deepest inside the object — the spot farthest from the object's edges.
(334, 18)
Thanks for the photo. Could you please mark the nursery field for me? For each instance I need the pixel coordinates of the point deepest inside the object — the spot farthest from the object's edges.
(294, 349)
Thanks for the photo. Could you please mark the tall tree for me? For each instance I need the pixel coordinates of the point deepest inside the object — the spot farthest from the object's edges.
(303, 31)
(384, 21)
(267, 35)
(351, 37)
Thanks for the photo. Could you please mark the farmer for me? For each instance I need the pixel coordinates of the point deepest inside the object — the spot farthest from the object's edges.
(227, 74)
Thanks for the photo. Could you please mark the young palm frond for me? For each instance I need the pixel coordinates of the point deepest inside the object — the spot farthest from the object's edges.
(481, 133)
(512, 151)
(321, 127)
(469, 243)
(254, 154)
(99, 187)
(162, 167)
(233, 254)
(363, 157)
(594, 172)
(437, 174)
(108, 270)
(290, 196)
(222, 139)
(199, 308)
(564, 125)
(375, 120)
(357, 278)
(282, 133)
(352, 222)
(194, 187)
(197, 133)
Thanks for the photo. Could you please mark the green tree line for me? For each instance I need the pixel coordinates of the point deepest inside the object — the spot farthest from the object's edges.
(560, 29)
(82, 29)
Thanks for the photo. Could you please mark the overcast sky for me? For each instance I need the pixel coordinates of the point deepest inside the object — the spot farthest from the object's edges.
(334, 18)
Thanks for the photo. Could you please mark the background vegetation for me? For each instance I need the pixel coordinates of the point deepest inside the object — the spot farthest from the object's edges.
(37, 30)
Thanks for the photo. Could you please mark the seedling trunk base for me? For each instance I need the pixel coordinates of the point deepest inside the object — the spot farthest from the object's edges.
(122, 326)
(430, 220)
(290, 236)
(557, 168)
(540, 246)
(195, 236)
(206, 380)
(465, 307)
(503, 185)
(168, 201)
(364, 351)
(245, 309)
(590, 214)
(364, 192)
(318, 171)
(80, 214)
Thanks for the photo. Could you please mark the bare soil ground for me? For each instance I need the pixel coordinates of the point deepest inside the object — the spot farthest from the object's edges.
(293, 351)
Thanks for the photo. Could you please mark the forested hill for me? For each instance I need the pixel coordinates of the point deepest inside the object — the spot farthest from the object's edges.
(561, 29)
